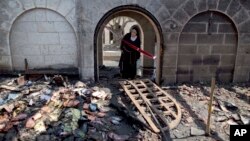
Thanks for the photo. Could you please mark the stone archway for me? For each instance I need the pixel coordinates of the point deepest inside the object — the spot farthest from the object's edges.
(207, 48)
(149, 26)
(45, 39)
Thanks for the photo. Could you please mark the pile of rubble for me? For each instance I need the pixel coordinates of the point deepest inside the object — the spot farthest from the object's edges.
(51, 108)
(230, 107)
(54, 108)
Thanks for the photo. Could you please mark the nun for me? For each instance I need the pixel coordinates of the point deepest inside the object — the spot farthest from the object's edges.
(129, 56)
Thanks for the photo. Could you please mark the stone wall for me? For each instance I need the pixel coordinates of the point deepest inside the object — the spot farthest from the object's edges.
(42, 31)
(175, 18)
(218, 61)
(207, 48)
(45, 39)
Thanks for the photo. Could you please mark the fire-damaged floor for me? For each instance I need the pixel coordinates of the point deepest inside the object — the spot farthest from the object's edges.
(63, 108)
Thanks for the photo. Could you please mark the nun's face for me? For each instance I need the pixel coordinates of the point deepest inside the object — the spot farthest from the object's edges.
(133, 33)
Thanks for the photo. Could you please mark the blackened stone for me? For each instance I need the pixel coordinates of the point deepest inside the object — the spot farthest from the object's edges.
(181, 16)
(187, 49)
(223, 4)
(241, 16)
(212, 4)
(211, 60)
(172, 4)
(183, 70)
(163, 15)
(227, 28)
(187, 38)
(190, 8)
(245, 38)
(154, 6)
(234, 7)
(230, 38)
(202, 17)
(245, 28)
(219, 17)
(171, 38)
(202, 5)
(195, 27)
(210, 39)
(245, 4)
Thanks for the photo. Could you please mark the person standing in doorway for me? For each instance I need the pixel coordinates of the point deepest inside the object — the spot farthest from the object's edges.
(129, 56)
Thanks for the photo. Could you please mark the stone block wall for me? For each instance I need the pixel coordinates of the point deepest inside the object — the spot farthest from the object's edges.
(42, 31)
(187, 44)
(207, 48)
(202, 51)
(45, 39)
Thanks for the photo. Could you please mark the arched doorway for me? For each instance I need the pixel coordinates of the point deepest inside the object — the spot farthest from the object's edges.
(153, 39)
(112, 36)
(207, 48)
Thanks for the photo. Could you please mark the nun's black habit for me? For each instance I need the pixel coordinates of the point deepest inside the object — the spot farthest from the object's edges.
(129, 57)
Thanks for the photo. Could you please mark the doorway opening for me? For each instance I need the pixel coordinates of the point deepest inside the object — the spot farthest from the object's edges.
(110, 31)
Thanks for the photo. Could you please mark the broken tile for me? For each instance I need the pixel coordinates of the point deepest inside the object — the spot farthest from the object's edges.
(31, 102)
(46, 109)
(9, 108)
(80, 84)
(101, 114)
(21, 80)
(11, 88)
(221, 118)
(71, 103)
(117, 137)
(29, 83)
(30, 123)
(232, 122)
(189, 119)
(100, 94)
(245, 120)
(1, 101)
(69, 96)
(54, 116)
(2, 126)
(93, 107)
(197, 132)
(13, 96)
(37, 116)
(20, 117)
(45, 97)
(115, 122)
(40, 126)
(8, 127)
(236, 117)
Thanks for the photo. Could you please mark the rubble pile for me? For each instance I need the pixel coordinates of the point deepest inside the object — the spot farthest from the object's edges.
(230, 107)
(55, 108)
(52, 108)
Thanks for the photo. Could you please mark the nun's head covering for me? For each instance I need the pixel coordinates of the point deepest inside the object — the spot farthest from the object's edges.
(137, 30)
